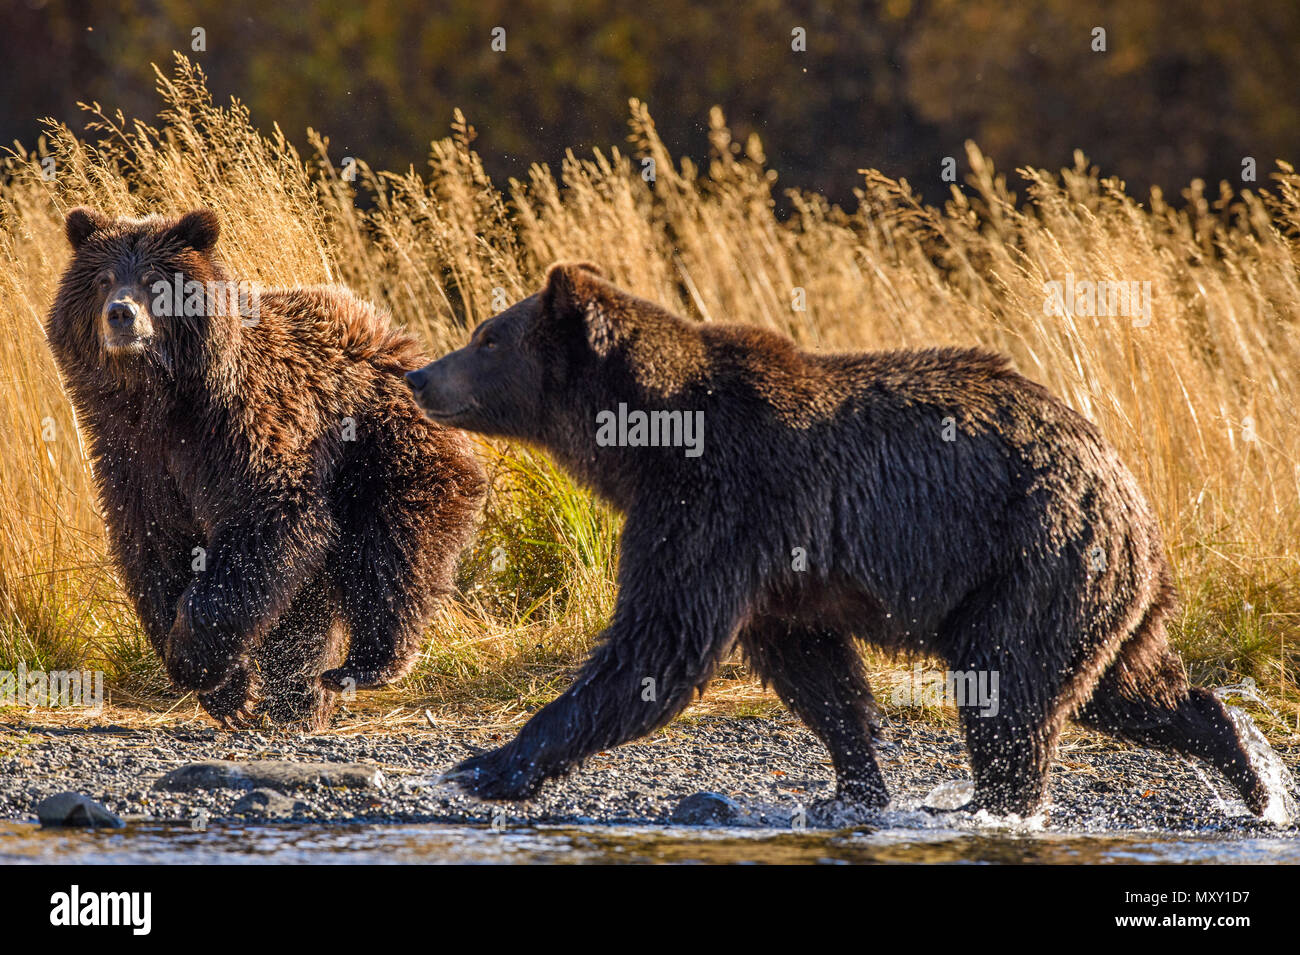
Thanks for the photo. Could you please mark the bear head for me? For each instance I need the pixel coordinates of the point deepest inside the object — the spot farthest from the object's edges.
(550, 361)
(140, 294)
(514, 363)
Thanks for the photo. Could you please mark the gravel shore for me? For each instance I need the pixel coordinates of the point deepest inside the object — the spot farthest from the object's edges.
(769, 767)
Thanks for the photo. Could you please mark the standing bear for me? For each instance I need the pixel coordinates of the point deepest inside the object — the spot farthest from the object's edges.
(268, 486)
(931, 502)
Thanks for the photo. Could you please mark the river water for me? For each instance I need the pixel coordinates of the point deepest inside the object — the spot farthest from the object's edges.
(144, 842)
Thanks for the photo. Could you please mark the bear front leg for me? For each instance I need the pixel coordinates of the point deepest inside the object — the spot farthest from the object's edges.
(253, 566)
(659, 650)
(156, 572)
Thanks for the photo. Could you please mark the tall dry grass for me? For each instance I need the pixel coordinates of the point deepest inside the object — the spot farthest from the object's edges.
(1201, 402)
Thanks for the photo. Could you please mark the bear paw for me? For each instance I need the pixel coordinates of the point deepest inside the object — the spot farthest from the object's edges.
(998, 810)
(864, 793)
(346, 679)
(192, 672)
(231, 703)
(191, 661)
(299, 710)
(494, 775)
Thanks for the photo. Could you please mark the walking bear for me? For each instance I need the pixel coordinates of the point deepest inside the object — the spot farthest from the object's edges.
(929, 501)
(267, 484)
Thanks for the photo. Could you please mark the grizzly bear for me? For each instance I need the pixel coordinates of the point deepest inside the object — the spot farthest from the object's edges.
(268, 486)
(927, 501)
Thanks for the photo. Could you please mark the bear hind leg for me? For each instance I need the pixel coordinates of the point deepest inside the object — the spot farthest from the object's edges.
(406, 543)
(1144, 698)
(307, 638)
(1012, 738)
(1010, 757)
(385, 608)
(819, 676)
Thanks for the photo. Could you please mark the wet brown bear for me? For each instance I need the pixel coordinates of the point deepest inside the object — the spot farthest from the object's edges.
(930, 501)
(267, 484)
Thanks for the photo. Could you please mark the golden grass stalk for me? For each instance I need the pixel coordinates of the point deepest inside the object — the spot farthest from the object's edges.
(1201, 401)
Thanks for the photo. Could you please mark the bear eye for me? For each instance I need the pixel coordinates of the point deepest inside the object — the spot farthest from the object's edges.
(487, 341)
(152, 277)
(103, 280)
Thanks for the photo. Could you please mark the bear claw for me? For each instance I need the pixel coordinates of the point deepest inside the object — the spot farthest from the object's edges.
(241, 719)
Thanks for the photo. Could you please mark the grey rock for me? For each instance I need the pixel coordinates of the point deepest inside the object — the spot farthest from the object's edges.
(74, 809)
(271, 774)
(710, 809)
(269, 804)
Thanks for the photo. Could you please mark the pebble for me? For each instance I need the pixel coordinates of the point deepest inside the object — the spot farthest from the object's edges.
(269, 804)
(74, 809)
(708, 809)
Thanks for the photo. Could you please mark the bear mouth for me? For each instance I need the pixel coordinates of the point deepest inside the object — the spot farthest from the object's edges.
(437, 414)
(124, 345)
(440, 414)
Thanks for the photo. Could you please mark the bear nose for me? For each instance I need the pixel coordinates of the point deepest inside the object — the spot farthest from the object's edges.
(120, 315)
(417, 380)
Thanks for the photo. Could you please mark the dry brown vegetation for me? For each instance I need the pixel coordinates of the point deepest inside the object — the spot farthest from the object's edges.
(1201, 401)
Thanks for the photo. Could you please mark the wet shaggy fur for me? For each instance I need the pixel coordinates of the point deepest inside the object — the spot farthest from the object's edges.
(269, 488)
(945, 506)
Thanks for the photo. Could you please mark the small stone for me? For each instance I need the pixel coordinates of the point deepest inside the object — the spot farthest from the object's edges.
(269, 804)
(709, 809)
(74, 809)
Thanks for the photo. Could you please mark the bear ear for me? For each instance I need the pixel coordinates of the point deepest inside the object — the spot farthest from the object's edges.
(580, 267)
(198, 229)
(83, 222)
(566, 284)
(577, 291)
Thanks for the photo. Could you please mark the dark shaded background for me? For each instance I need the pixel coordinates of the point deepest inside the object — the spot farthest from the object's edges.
(1186, 89)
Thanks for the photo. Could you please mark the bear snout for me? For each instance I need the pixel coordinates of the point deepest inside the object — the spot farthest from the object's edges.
(126, 324)
(417, 379)
(429, 386)
(121, 316)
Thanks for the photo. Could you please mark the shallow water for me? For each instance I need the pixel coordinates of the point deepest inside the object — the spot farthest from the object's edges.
(145, 842)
